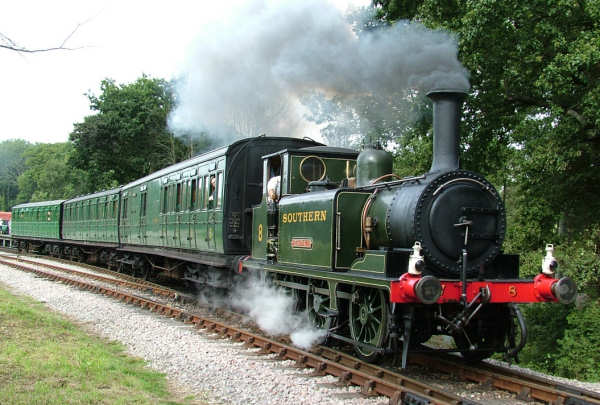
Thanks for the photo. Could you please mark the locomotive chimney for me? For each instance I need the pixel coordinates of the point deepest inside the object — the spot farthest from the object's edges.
(446, 107)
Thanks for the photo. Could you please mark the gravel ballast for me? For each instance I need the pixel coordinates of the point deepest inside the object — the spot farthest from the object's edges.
(219, 370)
(212, 368)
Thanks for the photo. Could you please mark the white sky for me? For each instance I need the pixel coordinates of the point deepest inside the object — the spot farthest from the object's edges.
(42, 95)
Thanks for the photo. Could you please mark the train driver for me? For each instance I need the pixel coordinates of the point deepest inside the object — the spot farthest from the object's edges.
(273, 186)
(274, 183)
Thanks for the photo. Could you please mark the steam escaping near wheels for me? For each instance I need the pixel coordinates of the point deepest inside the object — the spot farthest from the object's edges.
(274, 311)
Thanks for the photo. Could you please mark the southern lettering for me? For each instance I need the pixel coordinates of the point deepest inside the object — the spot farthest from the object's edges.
(304, 216)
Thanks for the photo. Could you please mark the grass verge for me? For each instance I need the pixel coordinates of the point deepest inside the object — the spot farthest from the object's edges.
(46, 359)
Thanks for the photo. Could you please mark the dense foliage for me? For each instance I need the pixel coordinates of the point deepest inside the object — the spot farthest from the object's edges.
(12, 165)
(48, 175)
(531, 124)
(127, 138)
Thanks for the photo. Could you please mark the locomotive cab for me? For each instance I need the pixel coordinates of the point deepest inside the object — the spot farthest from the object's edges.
(292, 172)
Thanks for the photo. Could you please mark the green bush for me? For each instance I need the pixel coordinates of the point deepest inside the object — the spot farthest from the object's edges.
(565, 339)
(546, 324)
(579, 349)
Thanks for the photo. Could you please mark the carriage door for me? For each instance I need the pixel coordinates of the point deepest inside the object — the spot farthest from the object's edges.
(124, 219)
(192, 213)
(143, 206)
(179, 218)
(211, 188)
(164, 203)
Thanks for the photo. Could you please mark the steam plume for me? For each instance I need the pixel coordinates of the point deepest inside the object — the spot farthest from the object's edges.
(273, 310)
(247, 74)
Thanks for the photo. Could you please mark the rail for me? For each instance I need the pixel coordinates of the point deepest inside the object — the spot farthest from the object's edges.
(372, 379)
(399, 391)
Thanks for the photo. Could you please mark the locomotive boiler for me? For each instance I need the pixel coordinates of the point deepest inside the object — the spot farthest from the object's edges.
(448, 210)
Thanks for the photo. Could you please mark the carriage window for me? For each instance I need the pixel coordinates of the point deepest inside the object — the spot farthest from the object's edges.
(209, 186)
(165, 198)
(201, 198)
(219, 196)
(169, 207)
(193, 194)
(124, 216)
(143, 204)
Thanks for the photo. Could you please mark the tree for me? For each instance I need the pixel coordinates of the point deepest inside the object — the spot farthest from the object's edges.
(531, 124)
(127, 138)
(48, 175)
(12, 165)
(532, 119)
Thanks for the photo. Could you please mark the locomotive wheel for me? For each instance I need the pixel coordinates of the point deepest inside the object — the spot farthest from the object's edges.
(317, 304)
(367, 314)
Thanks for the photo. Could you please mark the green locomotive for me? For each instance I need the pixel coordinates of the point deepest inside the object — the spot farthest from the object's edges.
(379, 262)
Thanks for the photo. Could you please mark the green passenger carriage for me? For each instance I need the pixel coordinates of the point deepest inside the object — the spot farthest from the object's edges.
(191, 219)
(92, 218)
(37, 221)
(89, 225)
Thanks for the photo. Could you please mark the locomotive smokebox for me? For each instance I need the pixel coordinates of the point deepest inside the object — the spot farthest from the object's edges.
(446, 118)
(446, 210)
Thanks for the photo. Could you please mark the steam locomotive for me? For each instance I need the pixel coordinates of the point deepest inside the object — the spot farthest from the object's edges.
(379, 262)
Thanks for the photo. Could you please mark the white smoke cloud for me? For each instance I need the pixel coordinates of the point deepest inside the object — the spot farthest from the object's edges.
(247, 73)
(274, 312)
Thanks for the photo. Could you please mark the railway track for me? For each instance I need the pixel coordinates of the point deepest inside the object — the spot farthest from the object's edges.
(119, 279)
(372, 379)
(528, 387)
(399, 390)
